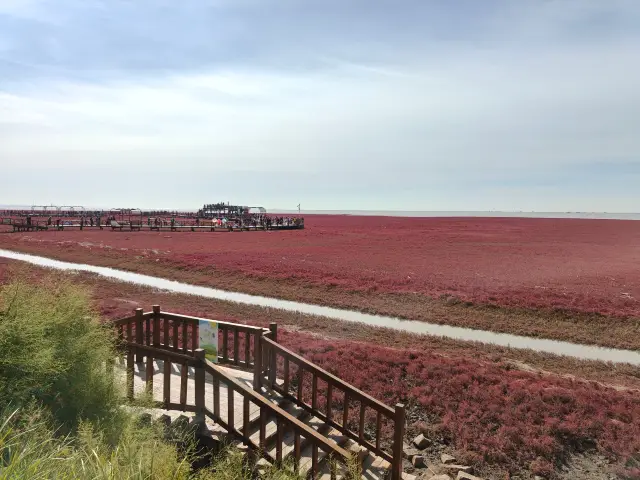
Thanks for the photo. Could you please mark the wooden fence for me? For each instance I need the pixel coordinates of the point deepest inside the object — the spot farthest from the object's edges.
(173, 338)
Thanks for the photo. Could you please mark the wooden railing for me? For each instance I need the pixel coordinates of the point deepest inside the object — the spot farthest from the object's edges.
(336, 387)
(303, 435)
(173, 338)
(179, 333)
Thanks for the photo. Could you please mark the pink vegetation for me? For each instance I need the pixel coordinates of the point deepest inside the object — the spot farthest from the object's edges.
(500, 415)
(587, 265)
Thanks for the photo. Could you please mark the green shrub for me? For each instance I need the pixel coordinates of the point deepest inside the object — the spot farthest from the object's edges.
(30, 449)
(53, 351)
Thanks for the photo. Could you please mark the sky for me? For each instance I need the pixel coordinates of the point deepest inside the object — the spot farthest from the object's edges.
(331, 104)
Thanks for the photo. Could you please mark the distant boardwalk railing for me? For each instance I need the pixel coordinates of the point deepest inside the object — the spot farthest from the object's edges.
(174, 339)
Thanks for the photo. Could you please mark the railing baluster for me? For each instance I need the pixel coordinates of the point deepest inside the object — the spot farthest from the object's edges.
(247, 348)
(130, 365)
(263, 427)
(300, 382)
(286, 375)
(230, 412)
(165, 331)
(296, 451)
(279, 438)
(257, 363)
(174, 322)
(245, 421)
(398, 437)
(361, 426)
(225, 344)
(184, 377)
(314, 392)
(149, 375)
(147, 332)
(216, 398)
(199, 388)
(194, 336)
(329, 400)
(273, 327)
(139, 337)
(378, 429)
(236, 342)
(345, 413)
(156, 325)
(166, 389)
(185, 340)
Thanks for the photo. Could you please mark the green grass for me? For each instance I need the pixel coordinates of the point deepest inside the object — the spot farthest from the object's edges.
(60, 412)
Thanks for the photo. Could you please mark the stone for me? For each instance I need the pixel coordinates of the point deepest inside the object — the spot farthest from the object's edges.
(460, 468)
(442, 476)
(421, 442)
(446, 458)
(418, 461)
(537, 477)
(410, 452)
(466, 476)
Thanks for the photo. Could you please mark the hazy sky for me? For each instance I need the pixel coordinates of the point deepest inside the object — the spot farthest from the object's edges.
(335, 104)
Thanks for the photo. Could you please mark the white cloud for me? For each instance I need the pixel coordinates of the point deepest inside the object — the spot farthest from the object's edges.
(534, 100)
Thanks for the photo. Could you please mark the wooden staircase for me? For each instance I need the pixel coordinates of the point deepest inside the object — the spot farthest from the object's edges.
(254, 397)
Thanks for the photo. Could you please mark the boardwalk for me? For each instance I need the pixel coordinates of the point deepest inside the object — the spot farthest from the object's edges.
(374, 468)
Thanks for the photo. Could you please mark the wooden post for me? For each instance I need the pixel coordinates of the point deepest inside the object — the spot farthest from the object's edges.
(156, 326)
(398, 439)
(257, 362)
(139, 337)
(273, 328)
(199, 387)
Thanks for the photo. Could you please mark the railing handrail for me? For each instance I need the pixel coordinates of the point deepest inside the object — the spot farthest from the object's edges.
(354, 393)
(161, 353)
(306, 431)
(178, 316)
(132, 318)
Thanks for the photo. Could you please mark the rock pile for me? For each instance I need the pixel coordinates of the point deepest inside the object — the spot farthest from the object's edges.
(444, 470)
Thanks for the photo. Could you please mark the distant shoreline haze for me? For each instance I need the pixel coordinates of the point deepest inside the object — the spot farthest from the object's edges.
(413, 213)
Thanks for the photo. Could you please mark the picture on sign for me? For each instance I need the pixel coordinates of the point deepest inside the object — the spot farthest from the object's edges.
(209, 339)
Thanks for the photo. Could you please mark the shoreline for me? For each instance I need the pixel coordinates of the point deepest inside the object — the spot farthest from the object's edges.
(591, 329)
(582, 352)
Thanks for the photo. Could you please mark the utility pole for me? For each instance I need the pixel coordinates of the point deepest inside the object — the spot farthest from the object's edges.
(298, 209)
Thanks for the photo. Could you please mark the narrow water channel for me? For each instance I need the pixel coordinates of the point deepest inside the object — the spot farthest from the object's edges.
(585, 352)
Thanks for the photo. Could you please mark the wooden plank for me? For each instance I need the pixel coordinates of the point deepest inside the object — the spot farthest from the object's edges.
(279, 437)
(345, 412)
(247, 348)
(149, 375)
(225, 344)
(175, 335)
(314, 392)
(194, 336)
(184, 377)
(245, 420)
(300, 382)
(216, 398)
(185, 340)
(378, 429)
(166, 388)
(230, 406)
(286, 375)
(236, 342)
